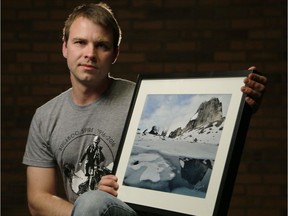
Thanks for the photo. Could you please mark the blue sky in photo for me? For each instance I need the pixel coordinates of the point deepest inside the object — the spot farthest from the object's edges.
(168, 111)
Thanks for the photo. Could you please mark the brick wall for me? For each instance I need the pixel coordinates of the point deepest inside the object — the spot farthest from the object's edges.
(158, 36)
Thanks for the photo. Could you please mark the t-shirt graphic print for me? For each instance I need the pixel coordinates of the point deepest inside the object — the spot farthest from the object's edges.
(94, 160)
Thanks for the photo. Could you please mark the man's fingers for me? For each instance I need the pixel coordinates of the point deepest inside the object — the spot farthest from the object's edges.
(258, 78)
(108, 189)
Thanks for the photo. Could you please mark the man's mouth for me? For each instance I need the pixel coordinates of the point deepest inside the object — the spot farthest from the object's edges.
(88, 66)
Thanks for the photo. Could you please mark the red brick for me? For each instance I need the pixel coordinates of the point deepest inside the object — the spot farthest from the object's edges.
(148, 25)
(263, 190)
(264, 212)
(32, 57)
(265, 34)
(249, 179)
(248, 23)
(181, 46)
(230, 56)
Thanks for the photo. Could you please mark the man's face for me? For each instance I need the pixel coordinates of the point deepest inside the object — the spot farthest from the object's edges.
(89, 52)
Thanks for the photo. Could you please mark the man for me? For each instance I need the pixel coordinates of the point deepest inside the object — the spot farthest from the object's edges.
(96, 105)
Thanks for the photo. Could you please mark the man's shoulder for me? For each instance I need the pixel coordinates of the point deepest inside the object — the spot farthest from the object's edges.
(121, 81)
(57, 101)
(122, 86)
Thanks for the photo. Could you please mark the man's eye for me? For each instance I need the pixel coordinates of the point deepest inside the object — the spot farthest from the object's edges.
(79, 42)
(102, 46)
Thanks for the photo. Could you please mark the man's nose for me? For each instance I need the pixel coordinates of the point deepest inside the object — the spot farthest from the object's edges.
(90, 52)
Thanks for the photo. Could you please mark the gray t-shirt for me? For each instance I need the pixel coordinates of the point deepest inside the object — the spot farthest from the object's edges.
(81, 140)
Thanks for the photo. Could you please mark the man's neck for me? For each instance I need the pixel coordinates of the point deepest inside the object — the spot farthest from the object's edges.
(83, 95)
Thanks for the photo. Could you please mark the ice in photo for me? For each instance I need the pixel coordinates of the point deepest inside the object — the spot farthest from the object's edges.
(176, 143)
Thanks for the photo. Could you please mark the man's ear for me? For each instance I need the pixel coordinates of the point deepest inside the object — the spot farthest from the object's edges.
(64, 49)
(115, 54)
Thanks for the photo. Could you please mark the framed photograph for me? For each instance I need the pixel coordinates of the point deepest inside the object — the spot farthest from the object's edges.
(182, 143)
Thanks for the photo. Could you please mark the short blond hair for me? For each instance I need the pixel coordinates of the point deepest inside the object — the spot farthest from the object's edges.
(100, 14)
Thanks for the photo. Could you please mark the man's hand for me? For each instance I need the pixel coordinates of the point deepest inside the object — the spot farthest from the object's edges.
(255, 85)
(108, 183)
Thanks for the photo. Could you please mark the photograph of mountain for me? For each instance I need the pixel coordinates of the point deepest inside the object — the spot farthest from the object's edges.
(176, 143)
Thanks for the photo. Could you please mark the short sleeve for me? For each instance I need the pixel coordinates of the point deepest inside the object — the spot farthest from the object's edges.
(38, 152)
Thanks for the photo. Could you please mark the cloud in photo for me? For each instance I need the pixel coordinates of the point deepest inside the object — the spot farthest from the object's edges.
(170, 111)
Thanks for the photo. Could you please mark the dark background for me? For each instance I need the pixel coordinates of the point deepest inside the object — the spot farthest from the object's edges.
(158, 36)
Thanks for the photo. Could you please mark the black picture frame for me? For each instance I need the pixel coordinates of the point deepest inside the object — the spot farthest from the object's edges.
(182, 143)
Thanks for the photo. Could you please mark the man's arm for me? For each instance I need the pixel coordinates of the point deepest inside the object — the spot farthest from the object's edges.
(41, 190)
